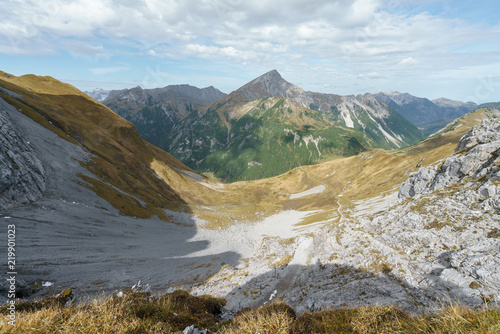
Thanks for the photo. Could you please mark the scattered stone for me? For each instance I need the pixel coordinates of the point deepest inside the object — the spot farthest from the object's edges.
(139, 287)
(193, 330)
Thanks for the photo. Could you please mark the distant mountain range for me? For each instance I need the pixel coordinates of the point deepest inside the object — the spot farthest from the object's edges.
(269, 126)
(429, 116)
(154, 112)
(266, 127)
(98, 94)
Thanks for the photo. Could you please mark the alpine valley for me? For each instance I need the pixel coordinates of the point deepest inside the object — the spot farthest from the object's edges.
(262, 129)
(340, 201)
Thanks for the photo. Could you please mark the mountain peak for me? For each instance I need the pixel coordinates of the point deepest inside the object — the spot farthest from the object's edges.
(98, 94)
(273, 74)
(268, 84)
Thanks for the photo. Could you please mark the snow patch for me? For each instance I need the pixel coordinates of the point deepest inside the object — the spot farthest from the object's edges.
(312, 191)
(254, 163)
(346, 115)
(200, 179)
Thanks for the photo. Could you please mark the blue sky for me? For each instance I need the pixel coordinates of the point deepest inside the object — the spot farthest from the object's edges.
(429, 48)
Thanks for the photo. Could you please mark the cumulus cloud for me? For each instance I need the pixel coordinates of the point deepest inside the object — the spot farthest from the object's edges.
(362, 36)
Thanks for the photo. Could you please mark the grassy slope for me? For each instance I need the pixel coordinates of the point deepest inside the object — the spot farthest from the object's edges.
(171, 313)
(269, 147)
(121, 158)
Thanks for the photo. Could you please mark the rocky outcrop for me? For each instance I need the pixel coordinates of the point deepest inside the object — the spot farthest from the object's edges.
(487, 132)
(476, 161)
(22, 177)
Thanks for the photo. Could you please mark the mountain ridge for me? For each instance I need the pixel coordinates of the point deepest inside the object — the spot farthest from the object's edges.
(429, 116)
(357, 123)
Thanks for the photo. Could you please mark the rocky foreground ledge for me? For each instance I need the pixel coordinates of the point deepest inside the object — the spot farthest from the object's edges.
(440, 242)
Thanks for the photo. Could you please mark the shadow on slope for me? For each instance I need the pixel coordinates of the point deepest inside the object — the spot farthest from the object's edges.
(102, 222)
(319, 287)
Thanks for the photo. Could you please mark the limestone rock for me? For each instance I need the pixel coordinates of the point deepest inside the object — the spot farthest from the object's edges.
(482, 150)
(488, 131)
(22, 176)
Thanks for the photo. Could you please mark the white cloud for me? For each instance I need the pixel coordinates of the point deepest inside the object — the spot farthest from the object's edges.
(362, 36)
(369, 75)
(410, 61)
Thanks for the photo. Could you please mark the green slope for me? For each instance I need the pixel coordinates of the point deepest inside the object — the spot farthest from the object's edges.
(274, 136)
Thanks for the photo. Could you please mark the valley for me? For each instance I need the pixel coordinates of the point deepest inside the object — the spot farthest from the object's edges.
(335, 200)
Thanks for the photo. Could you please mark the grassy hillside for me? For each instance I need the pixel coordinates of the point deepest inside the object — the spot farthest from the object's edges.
(125, 168)
(269, 141)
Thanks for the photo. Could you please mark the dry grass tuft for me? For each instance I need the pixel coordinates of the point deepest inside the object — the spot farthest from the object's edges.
(133, 313)
(274, 318)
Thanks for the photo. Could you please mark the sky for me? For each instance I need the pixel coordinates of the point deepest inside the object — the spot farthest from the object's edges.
(428, 48)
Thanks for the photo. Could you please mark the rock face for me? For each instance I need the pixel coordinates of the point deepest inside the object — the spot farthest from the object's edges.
(144, 97)
(22, 177)
(477, 156)
(154, 112)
